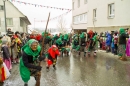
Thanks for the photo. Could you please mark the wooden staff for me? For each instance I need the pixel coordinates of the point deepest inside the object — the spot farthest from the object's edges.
(39, 74)
(44, 36)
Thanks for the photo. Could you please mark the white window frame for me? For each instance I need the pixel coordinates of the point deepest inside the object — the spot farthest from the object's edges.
(111, 10)
(9, 21)
(78, 3)
(82, 18)
(94, 14)
(85, 18)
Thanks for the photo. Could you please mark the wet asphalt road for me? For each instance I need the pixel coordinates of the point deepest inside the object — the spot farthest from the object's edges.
(103, 70)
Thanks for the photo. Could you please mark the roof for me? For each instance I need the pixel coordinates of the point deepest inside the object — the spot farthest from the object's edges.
(26, 20)
(25, 17)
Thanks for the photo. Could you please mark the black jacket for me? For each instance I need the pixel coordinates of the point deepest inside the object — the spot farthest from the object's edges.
(122, 38)
(28, 60)
(6, 54)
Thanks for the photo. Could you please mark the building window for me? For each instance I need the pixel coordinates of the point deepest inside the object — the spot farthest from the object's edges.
(9, 21)
(85, 1)
(94, 14)
(82, 18)
(1, 7)
(111, 10)
(21, 23)
(78, 3)
(73, 5)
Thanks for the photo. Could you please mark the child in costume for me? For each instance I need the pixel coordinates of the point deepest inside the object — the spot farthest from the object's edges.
(53, 52)
(6, 54)
(4, 72)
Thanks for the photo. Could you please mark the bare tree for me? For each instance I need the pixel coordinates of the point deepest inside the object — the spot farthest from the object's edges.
(61, 25)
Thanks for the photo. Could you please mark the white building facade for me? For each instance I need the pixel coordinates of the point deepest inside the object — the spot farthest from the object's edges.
(15, 19)
(100, 15)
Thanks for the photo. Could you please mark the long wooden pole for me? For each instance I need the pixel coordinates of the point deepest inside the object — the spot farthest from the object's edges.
(39, 74)
(45, 35)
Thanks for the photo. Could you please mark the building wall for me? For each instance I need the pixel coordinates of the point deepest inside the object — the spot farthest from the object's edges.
(14, 27)
(121, 18)
(77, 11)
(11, 12)
(103, 22)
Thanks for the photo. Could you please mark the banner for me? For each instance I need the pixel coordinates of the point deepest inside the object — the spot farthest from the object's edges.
(36, 5)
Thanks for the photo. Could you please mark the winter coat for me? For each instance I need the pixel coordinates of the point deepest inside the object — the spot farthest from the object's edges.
(108, 40)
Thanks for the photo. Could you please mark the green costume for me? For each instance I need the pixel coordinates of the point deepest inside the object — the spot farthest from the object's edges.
(24, 71)
(75, 43)
(82, 35)
(66, 37)
(122, 31)
(94, 43)
(44, 33)
(59, 42)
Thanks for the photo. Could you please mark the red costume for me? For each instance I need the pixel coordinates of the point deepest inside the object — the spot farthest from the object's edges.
(53, 52)
(38, 37)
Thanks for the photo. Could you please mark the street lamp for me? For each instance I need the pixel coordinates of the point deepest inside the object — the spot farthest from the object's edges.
(5, 15)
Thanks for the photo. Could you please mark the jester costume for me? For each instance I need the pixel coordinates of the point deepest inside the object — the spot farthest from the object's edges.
(29, 62)
(16, 45)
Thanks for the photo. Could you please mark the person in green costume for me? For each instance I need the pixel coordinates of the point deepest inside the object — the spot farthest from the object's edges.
(59, 43)
(75, 43)
(93, 45)
(82, 43)
(122, 44)
(55, 37)
(29, 62)
(66, 39)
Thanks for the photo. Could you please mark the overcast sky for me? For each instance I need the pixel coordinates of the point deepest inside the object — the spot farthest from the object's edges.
(41, 13)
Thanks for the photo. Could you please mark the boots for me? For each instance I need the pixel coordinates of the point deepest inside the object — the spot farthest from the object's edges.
(37, 83)
(54, 67)
(94, 54)
(25, 84)
(67, 53)
(84, 53)
(88, 53)
(120, 58)
(79, 53)
(123, 59)
(47, 69)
